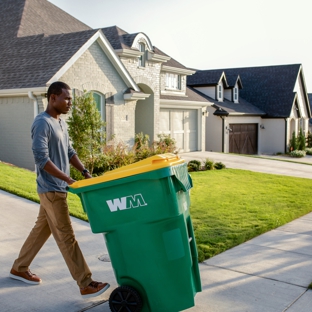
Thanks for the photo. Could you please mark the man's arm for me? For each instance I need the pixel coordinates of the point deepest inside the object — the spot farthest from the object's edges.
(56, 172)
(75, 162)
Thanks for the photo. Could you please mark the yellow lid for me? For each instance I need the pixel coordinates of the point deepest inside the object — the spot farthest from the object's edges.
(142, 166)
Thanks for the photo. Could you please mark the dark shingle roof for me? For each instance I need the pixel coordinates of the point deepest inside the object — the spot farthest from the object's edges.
(172, 62)
(116, 37)
(205, 77)
(20, 18)
(270, 88)
(191, 95)
(243, 107)
(33, 61)
(120, 39)
(232, 79)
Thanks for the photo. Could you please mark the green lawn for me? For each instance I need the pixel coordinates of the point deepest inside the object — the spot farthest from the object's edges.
(228, 207)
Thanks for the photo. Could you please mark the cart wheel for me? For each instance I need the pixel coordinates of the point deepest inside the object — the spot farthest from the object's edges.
(125, 299)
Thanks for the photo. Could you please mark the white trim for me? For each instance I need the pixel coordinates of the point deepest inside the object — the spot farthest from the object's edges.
(183, 104)
(128, 53)
(157, 57)
(176, 70)
(173, 92)
(24, 91)
(108, 50)
(138, 38)
(136, 96)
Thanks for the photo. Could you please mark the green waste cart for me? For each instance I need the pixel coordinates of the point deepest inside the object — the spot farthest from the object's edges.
(143, 211)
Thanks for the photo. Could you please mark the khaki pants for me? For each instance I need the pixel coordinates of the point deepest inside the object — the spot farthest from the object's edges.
(54, 218)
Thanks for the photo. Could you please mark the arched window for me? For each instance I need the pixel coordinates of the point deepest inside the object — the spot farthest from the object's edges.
(100, 104)
(142, 58)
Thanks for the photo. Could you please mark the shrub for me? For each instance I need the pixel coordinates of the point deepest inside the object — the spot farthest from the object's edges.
(219, 165)
(194, 165)
(309, 150)
(309, 139)
(301, 141)
(209, 164)
(86, 129)
(141, 140)
(165, 144)
(293, 142)
(297, 153)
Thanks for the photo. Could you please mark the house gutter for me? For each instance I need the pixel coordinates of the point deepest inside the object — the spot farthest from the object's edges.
(21, 92)
(286, 131)
(34, 98)
(222, 134)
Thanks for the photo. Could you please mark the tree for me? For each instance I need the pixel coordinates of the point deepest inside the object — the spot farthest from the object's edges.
(293, 142)
(301, 141)
(86, 129)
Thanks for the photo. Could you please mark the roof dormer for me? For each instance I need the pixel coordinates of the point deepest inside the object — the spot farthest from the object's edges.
(143, 44)
(232, 91)
(235, 94)
(220, 92)
(222, 83)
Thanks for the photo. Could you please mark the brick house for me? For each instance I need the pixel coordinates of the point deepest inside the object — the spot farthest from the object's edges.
(137, 87)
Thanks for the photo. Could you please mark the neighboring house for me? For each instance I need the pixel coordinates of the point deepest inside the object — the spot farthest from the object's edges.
(136, 86)
(310, 120)
(255, 110)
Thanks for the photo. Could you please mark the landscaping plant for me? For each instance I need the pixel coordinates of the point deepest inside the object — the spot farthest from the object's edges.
(194, 165)
(209, 164)
(86, 130)
(301, 140)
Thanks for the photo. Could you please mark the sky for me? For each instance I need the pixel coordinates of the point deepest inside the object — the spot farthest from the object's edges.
(211, 34)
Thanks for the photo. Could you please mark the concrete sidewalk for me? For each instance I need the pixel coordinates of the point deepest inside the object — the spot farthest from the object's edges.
(268, 273)
(290, 166)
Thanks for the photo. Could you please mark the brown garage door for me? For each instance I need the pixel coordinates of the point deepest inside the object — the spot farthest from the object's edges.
(244, 138)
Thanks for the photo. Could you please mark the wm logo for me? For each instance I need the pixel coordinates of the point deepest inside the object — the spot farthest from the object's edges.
(126, 202)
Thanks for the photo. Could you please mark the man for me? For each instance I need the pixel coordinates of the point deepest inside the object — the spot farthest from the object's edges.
(53, 154)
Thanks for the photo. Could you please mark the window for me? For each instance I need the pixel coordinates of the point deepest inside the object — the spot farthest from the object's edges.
(220, 93)
(99, 101)
(235, 94)
(142, 58)
(173, 81)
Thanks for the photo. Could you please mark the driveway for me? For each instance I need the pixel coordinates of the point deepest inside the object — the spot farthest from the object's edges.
(290, 166)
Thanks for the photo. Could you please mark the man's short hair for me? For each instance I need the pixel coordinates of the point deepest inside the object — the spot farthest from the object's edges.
(56, 88)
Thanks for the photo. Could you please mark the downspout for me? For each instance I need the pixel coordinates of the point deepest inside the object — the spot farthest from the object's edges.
(34, 98)
(286, 131)
(222, 134)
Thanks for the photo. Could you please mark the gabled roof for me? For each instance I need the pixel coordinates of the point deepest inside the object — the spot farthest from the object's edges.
(205, 78)
(20, 18)
(33, 61)
(230, 108)
(37, 61)
(172, 62)
(118, 38)
(270, 88)
(233, 79)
